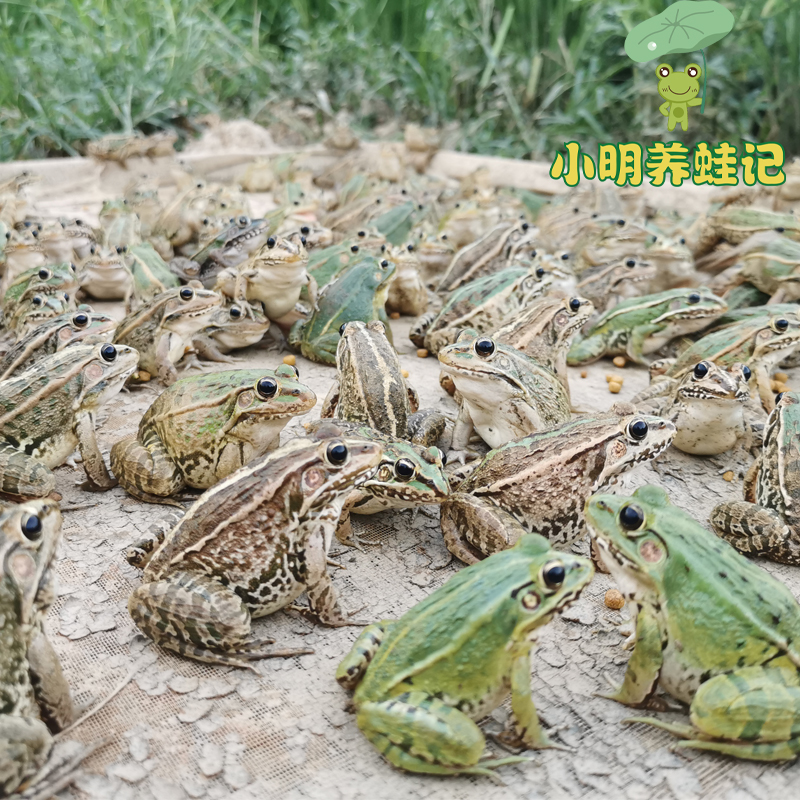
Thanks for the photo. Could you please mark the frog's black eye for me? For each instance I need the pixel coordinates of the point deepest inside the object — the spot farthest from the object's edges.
(693, 298)
(484, 347)
(540, 272)
(565, 256)
(362, 234)
(410, 248)
(384, 263)
(44, 274)
(525, 226)
(631, 517)
(73, 267)
(575, 304)
(37, 301)
(354, 248)
(35, 233)
(780, 325)
(243, 221)
(108, 352)
(383, 248)
(533, 254)
(32, 527)
(682, 240)
(664, 71)
(630, 262)
(296, 371)
(66, 297)
(341, 328)
(120, 249)
(187, 293)
(93, 249)
(778, 397)
(553, 574)
(780, 230)
(443, 237)
(747, 373)
(404, 469)
(303, 240)
(235, 312)
(337, 453)
(305, 230)
(637, 429)
(620, 222)
(443, 457)
(271, 242)
(266, 387)
(80, 320)
(700, 370)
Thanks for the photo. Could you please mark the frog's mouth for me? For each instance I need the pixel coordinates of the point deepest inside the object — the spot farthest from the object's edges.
(674, 92)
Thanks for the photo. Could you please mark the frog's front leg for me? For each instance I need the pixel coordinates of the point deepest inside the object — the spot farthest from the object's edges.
(644, 666)
(147, 473)
(25, 744)
(165, 369)
(50, 687)
(22, 475)
(757, 531)
(198, 617)
(426, 427)
(331, 401)
(462, 431)
(353, 666)
(664, 109)
(322, 349)
(323, 598)
(584, 351)
(419, 733)
(474, 528)
(636, 341)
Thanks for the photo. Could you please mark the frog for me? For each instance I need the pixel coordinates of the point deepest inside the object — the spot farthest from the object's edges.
(735, 224)
(249, 547)
(105, 274)
(357, 293)
(274, 276)
(607, 284)
(609, 238)
(43, 281)
(53, 335)
(772, 265)
(151, 275)
(67, 240)
(640, 326)
(369, 387)
(680, 91)
(120, 225)
(713, 630)
(504, 394)
(482, 305)
(540, 482)
(48, 410)
(142, 197)
(409, 476)
(35, 309)
(421, 682)
(764, 523)
(707, 406)
(36, 700)
(230, 328)
(434, 252)
(407, 292)
(464, 223)
(162, 329)
(673, 260)
(22, 250)
(204, 427)
(121, 147)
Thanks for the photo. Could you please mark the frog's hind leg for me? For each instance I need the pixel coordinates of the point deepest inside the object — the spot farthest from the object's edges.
(146, 472)
(198, 617)
(140, 552)
(420, 733)
(355, 663)
(756, 531)
(23, 476)
(25, 744)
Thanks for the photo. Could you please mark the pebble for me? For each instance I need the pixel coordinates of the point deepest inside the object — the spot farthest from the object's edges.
(614, 599)
(143, 375)
(781, 377)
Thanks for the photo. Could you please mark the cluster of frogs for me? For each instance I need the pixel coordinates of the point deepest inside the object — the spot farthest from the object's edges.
(508, 289)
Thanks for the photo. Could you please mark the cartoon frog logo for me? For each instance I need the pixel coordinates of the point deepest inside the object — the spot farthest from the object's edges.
(680, 90)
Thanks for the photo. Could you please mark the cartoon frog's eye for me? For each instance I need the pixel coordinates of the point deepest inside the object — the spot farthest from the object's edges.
(108, 352)
(404, 469)
(267, 387)
(44, 274)
(32, 527)
(746, 371)
(779, 325)
(637, 429)
(80, 320)
(187, 293)
(664, 70)
(484, 347)
(700, 370)
(631, 262)
(692, 70)
(631, 517)
(575, 304)
(693, 298)
(337, 453)
(540, 272)
(553, 574)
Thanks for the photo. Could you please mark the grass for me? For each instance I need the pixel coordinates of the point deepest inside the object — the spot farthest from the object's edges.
(509, 77)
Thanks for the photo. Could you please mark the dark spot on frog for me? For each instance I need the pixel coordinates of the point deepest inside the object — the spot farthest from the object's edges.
(723, 574)
(776, 618)
(740, 645)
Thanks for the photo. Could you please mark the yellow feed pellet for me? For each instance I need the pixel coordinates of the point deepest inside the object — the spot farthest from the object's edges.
(728, 476)
(619, 361)
(614, 387)
(781, 377)
(777, 387)
(404, 373)
(422, 353)
(290, 360)
(584, 373)
(395, 315)
(614, 599)
(143, 375)
(615, 379)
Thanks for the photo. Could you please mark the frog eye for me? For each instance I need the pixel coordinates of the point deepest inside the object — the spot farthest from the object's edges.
(443, 457)
(664, 70)
(243, 221)
(525, 226)
(271, 242)
(565, 256)
(630, 262)
(108, 352)
(341, 328)
(32, 527)
(187, 293)
(121, 249)
(575, 305)
(637, 429)
(266, 387)
(37, 301)
(354, 248)
(235, 312)
(540, 272)
(620, 222)
(305, 230)
(553, 574)
(410, 247)
(777, 325)
(93, 249)
(746, 371)
(44, 274)
(384, 263)
(337, 453)
(778, 397)
(443, 237)
(682, 240)
(80, 320)
(692, 70)
(404, 469)
(693, 298)
(780, 230)
(631, 517)
(66, 296)
(484, 347)
(700, 370)
(533, 254)
(296, 371)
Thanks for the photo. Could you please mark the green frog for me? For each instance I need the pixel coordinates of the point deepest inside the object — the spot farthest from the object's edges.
(52, 279)
(151, 275)
(34, 697)
(504, 394)
(734, 224)
(422, 681)
(607, 284)
(357, 293)
(48, 410)
(53, 335)
(105, 274)
(369, 387)
(764, 523)
(204, 427)
(230, 328)
(680, 91)
(162, 329)
(407, 292)
(540, 482)
(120, 224)
(712, 629)
(36, 309)
(249, 547)
(641, 325)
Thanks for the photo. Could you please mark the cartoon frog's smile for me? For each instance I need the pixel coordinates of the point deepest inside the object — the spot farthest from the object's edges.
(674, 92)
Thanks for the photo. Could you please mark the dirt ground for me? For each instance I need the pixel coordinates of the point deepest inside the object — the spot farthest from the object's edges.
(181, 729)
